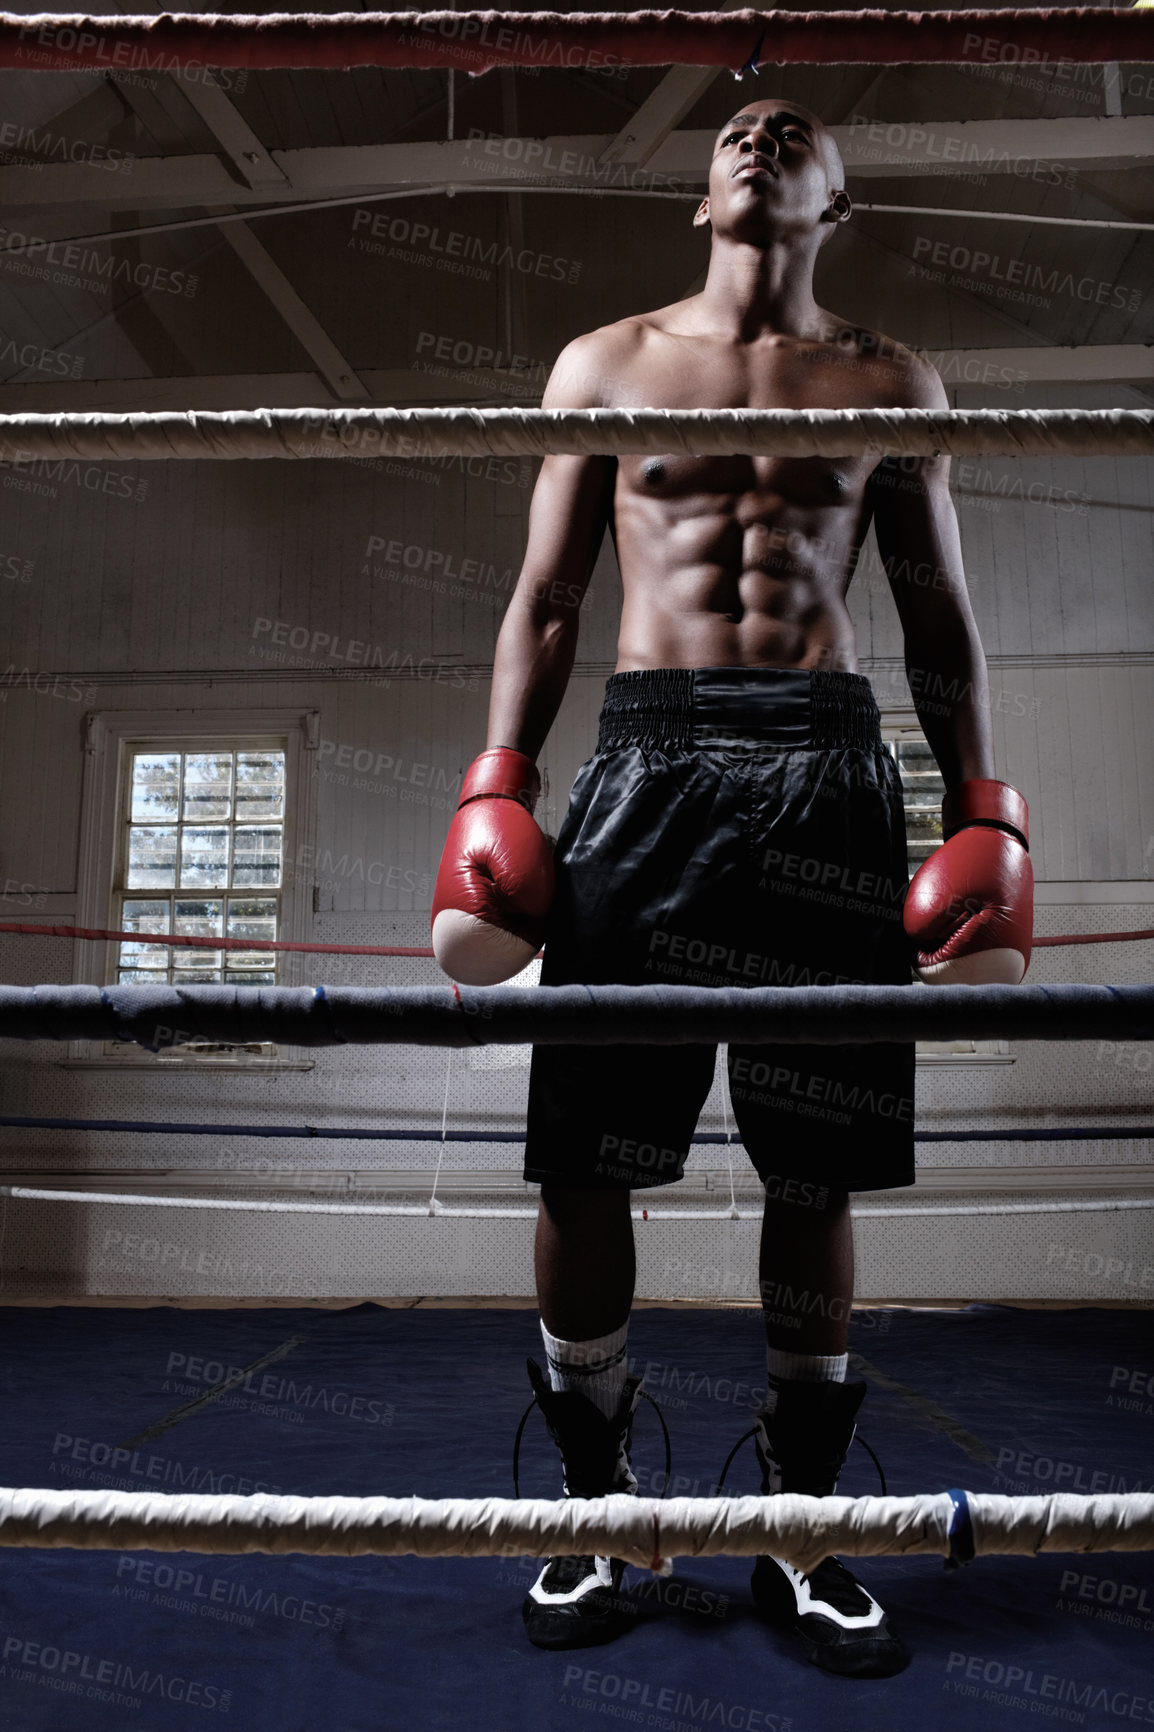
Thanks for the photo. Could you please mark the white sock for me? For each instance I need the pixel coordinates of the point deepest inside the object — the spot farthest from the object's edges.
(595, 1369)
(803, 1368)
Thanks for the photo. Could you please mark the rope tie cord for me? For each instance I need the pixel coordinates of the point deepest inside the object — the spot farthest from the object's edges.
(416, 433)
(477, 41)
(801, 1529)
(159, 1016)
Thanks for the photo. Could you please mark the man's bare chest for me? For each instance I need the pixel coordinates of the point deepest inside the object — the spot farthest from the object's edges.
(676, 373)
(813, 482)
(680, 373)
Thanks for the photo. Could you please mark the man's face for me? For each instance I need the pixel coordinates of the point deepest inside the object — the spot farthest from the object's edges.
(775, 170)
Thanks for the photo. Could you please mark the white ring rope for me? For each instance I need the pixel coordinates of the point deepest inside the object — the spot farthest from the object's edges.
(1000, 216)
(644, 1531)
(415, 433)
(435, 1207)
(453, 189)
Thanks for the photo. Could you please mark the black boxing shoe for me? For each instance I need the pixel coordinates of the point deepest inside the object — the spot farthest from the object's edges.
(801, 1446)
(838, 1625)
(576, 1601)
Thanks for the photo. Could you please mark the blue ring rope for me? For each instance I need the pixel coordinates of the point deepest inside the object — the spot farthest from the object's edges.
(164, 1016)
(1060, 1134)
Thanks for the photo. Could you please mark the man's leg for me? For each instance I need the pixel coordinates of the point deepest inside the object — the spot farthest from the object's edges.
(806, 1279)
(584, 1260)
(585, 1271)
(633, 851)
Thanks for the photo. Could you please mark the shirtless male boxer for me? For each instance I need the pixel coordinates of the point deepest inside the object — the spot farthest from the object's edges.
(739, 824)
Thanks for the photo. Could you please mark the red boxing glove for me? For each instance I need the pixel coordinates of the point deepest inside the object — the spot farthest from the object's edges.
(495, 885)
(970, 906)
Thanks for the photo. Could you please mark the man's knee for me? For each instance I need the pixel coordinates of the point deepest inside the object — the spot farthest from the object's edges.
(803, 1201)
(563, 1202)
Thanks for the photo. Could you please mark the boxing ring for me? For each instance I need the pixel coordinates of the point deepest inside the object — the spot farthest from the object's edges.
(645, 1531)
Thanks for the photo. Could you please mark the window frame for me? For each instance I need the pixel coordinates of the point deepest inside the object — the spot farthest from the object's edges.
(111, 737)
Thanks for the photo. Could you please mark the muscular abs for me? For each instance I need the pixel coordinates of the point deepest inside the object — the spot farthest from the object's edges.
(740, 561)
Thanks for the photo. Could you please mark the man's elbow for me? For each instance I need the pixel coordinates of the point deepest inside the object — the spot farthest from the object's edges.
(552, 602)
(950, 636)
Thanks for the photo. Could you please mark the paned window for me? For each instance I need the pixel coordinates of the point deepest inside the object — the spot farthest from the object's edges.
(201, 855)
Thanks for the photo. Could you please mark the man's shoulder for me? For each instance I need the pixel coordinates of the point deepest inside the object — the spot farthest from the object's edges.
(907, 379)
(621, 337)
(592, 366)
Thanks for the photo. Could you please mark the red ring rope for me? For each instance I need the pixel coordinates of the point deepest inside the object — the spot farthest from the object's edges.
(195, 941)
(95, 932)
(1096, 938)
(477, 41)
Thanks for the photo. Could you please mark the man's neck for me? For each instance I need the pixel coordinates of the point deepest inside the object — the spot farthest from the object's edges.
(753, 292)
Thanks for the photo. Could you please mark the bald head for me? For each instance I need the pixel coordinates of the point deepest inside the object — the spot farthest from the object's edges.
(823, 138)
(808, 179)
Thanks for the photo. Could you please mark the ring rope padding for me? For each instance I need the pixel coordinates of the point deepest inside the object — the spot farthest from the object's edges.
(476, 42)
(411, 434)
(803, 1530)
(460, 1016)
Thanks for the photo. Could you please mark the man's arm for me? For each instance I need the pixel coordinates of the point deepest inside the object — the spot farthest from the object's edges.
(572, 502)
(495, 885)
(969, 908)
(917, 535)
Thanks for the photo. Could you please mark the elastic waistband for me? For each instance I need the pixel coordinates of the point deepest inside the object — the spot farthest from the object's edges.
(690, 707)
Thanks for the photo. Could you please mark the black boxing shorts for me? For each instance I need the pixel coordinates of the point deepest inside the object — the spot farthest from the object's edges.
(735, 827)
